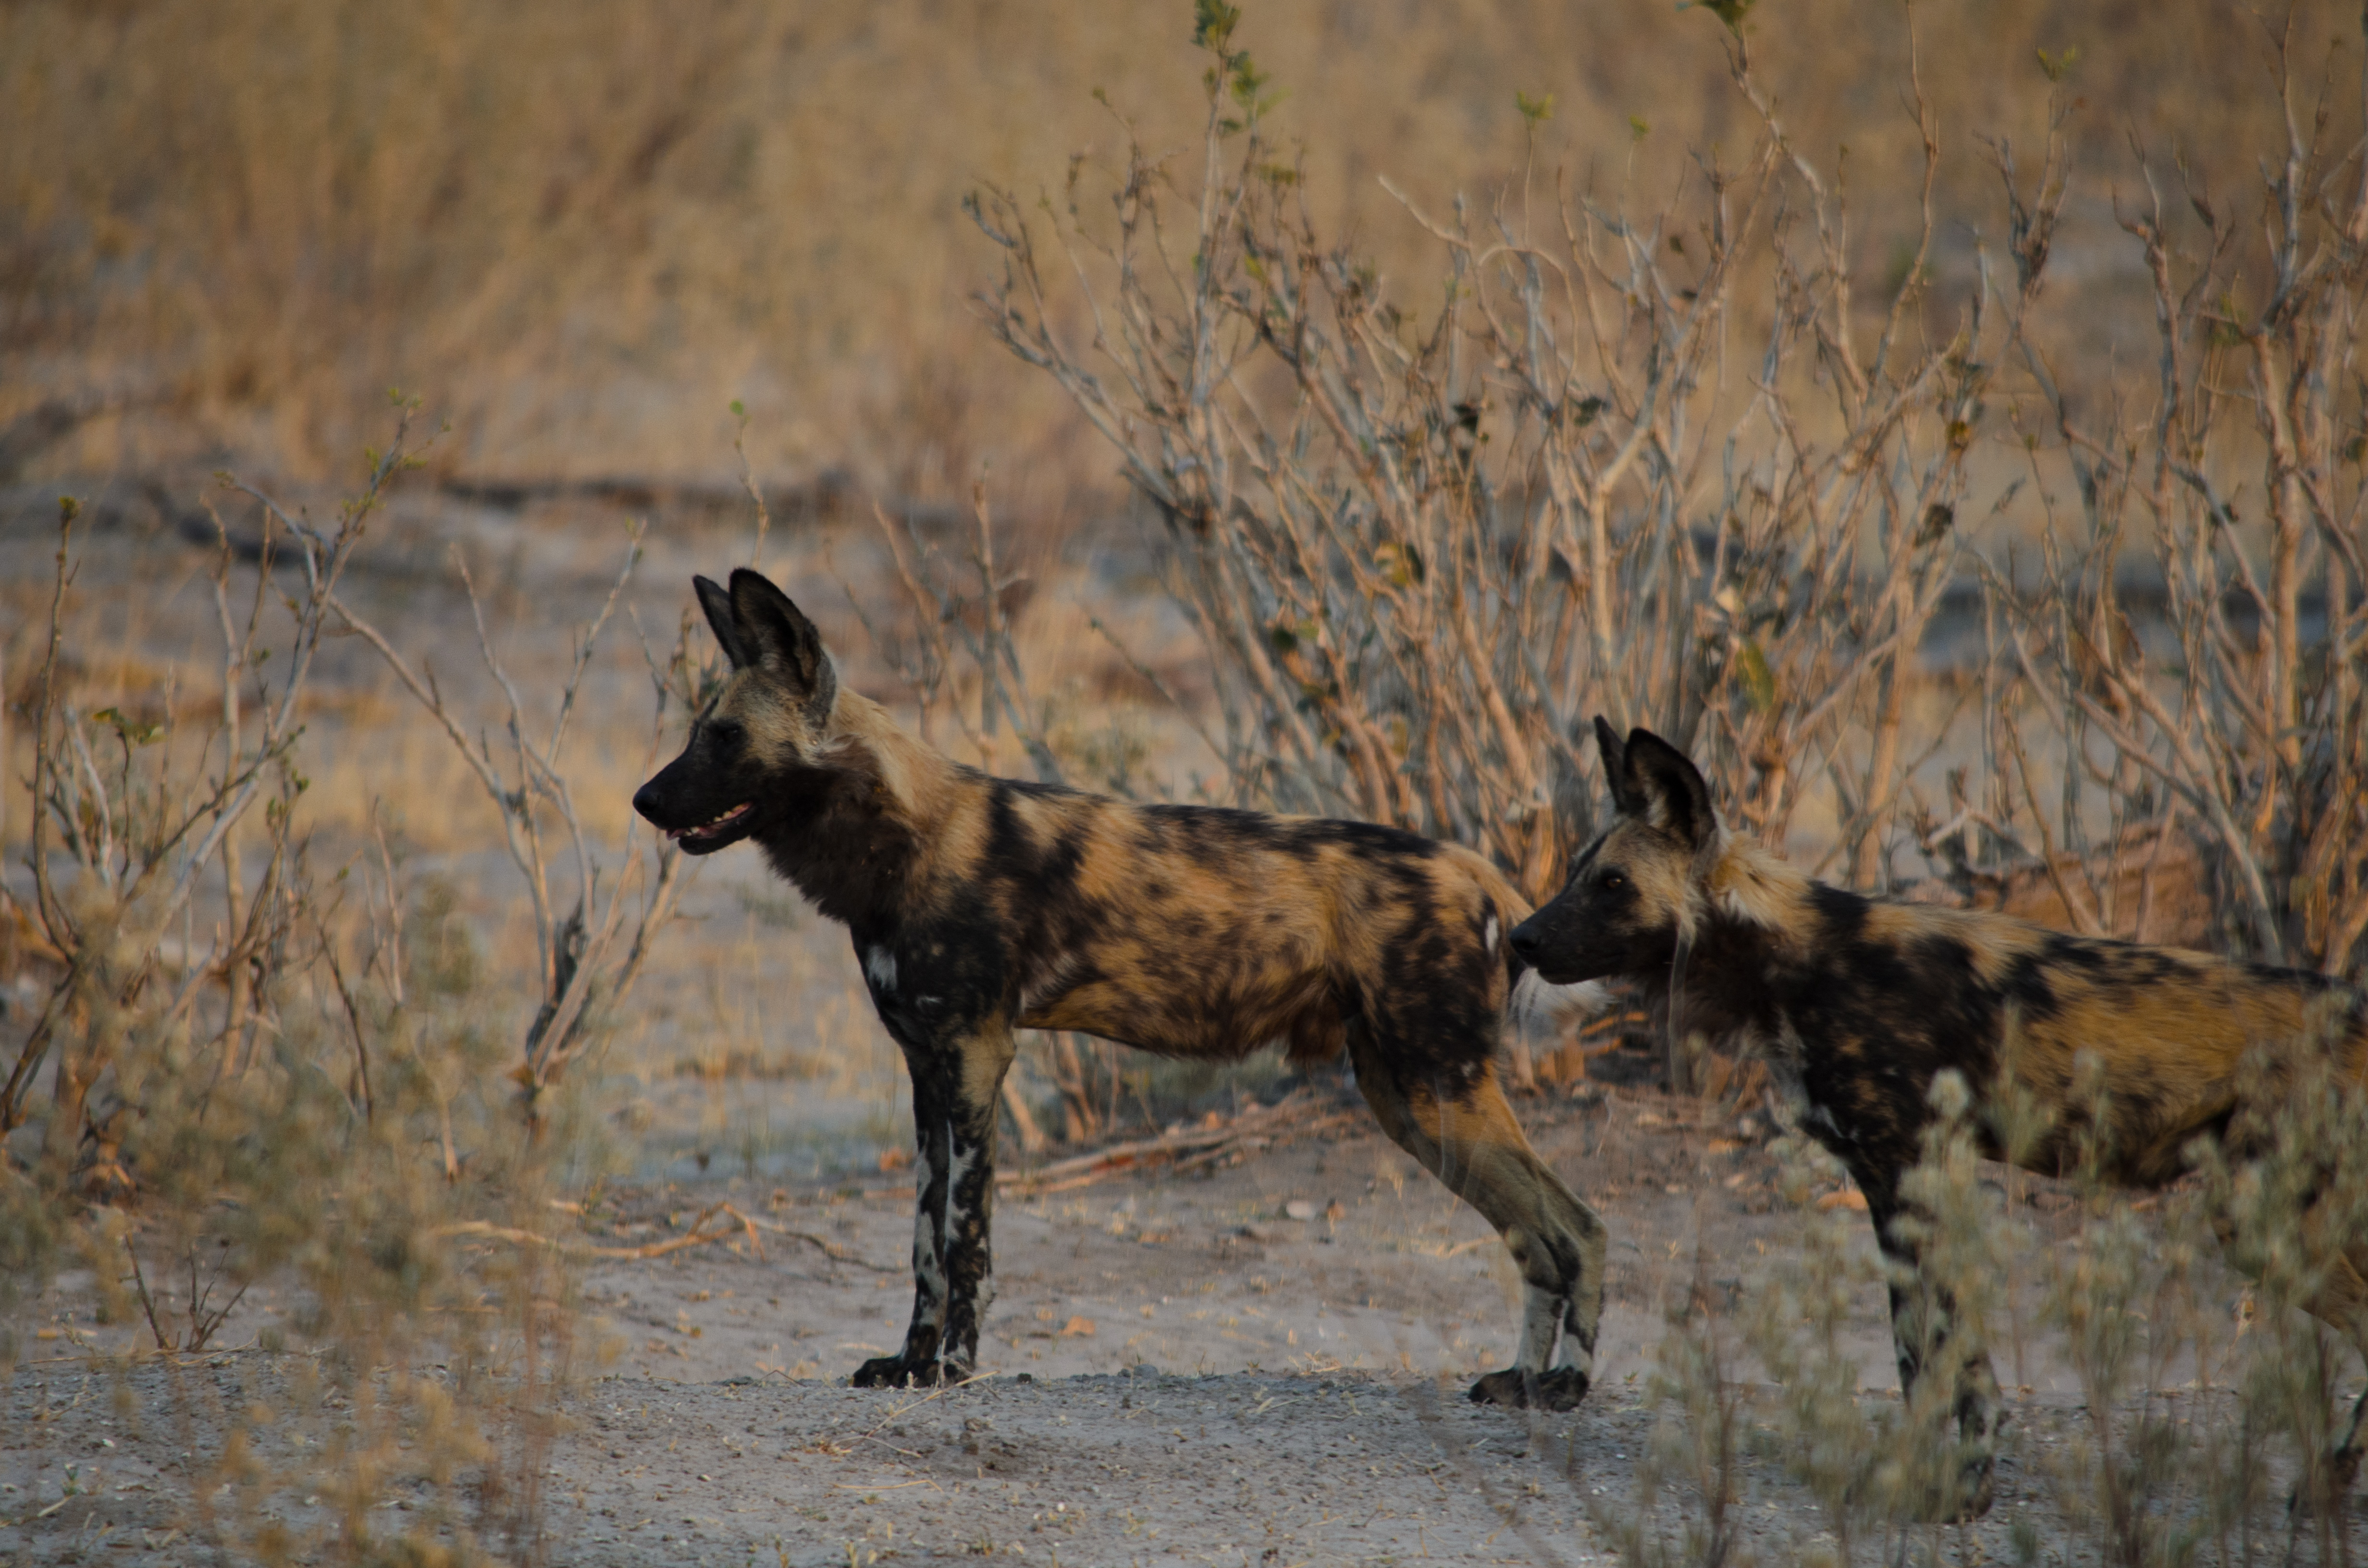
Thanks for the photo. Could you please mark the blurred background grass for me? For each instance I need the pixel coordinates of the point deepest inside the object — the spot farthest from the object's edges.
(580, 230)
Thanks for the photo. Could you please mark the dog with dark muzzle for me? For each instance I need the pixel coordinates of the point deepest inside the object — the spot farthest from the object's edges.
(979, 906)
(1860, 1005)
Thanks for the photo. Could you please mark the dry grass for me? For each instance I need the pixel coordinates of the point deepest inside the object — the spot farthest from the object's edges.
(244, 1067)
(2205, 1404)
(582, 229)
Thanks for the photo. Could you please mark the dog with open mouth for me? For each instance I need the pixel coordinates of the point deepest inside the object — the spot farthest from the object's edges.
(979, 906)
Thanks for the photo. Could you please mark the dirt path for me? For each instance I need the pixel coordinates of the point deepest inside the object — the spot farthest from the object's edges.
(1176, 1371)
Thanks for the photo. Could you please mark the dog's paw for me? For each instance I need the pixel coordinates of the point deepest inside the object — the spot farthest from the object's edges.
(1559, 1389)
(1961, 1503)
(896, 1372)
(2328, 1495)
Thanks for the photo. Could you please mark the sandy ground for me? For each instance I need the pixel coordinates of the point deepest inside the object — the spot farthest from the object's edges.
(1176, 1371)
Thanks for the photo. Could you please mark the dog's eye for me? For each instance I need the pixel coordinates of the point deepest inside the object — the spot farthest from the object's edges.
(1612, 881)
(727, 731)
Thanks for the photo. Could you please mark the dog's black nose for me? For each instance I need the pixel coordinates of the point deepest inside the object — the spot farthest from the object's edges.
(645, 801)
(1526, 940)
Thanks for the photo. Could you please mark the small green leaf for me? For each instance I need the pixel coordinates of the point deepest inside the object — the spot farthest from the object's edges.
(739, 411)
(1213, 22)
(1286, 636)
(1638, 128)
(134, 731)
(1759, 680)
(1537, 110)
(1401, 564)
(1731, 12)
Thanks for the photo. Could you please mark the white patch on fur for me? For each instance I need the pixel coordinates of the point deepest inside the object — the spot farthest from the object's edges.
(955, 1213)
(928, 1263)
(1751, 885)
(1784, 1056)
(958, 1215)
(963, 1163)
(1537, 1010)
(1572, 1353)
(1488, 935)
(1541, 1319)
(880, 965)
(985, 1297)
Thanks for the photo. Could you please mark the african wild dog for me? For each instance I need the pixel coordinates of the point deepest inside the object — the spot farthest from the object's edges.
(1858, 1004)
(979, 906)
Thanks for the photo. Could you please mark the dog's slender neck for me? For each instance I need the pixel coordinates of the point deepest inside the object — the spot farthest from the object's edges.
(842, 828)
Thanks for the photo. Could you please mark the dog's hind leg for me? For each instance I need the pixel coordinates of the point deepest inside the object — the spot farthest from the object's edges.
(1463, 1133)
(2342, 1304)
(954, 1088)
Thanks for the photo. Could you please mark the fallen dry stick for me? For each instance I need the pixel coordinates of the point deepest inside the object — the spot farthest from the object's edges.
(748, 1223)
(1251, 1143)
(694, 1237)
(1190, 1151)
(831, 1250)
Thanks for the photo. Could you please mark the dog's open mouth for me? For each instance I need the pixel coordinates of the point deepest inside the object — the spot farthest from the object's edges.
(712, 828)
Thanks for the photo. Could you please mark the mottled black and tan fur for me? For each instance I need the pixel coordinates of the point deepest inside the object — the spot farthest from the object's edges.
(979, 906)
(1859, 1004)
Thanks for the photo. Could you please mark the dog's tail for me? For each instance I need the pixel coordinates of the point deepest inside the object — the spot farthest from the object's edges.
(1537, 1011)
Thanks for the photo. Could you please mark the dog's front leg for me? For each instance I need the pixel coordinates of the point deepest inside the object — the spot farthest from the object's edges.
(1936, 1350)
(983, 1058)
(932, 1179)
(954, 1088)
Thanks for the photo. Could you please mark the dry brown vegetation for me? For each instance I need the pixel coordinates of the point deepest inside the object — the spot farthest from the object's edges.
(240, 1072)
(1983, 505)
(1687, 465)
(586, 227)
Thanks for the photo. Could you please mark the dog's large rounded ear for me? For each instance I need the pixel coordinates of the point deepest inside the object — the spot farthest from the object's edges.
(718, 605)
(1671, 793)
(1615, 767)
(777, 634)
